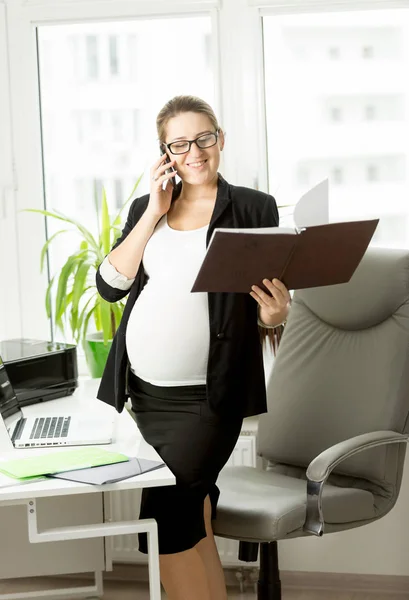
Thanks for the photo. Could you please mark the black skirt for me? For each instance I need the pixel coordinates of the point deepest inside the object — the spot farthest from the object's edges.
(195, 443)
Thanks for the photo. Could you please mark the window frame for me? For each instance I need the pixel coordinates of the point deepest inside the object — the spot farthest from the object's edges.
(10, 312)
(321, 6)
(24, 16)
(238, 66)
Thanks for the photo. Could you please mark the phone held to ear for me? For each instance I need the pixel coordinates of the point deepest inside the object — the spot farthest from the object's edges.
(167, 160)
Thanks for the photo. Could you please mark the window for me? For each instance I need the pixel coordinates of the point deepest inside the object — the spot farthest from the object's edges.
(368, 52)
(303, 175)
(135, 56)
(372, 173)
(106, 132)
(334, 52)
(113, 55)
(87, 125)
(97, 186)
(336, 114)
(137, 125)
(79, 194)
(91, 45)
(10, 302)
(208, 50)
(370, 112)
(365, 156)
(117, 125)
(391, 227)
(101, 61)
(119, 194)
(337, 175)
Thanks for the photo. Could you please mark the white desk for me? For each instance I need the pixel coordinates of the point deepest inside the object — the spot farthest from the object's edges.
(128, 440)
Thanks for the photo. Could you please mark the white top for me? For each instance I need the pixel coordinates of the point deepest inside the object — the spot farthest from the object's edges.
(167, 336)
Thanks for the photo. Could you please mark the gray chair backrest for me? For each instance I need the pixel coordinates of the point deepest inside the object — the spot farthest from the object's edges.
(342, 369)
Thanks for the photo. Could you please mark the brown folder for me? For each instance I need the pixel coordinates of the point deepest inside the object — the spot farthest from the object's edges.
(315, 256)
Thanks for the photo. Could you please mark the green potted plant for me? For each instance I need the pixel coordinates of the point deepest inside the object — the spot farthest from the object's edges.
(77, 299)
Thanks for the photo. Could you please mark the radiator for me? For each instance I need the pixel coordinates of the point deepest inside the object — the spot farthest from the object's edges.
(124, 505)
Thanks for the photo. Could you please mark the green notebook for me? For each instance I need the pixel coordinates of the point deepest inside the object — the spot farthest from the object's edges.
(56, 462)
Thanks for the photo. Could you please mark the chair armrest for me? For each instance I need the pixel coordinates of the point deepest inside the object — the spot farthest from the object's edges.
(322, 465)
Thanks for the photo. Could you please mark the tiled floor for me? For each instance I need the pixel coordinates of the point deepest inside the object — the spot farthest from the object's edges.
(133, 591)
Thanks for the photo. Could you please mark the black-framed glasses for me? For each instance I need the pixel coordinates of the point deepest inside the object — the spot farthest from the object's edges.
(207, 140)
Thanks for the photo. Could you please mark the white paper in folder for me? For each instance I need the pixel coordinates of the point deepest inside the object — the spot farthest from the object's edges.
(313, 207)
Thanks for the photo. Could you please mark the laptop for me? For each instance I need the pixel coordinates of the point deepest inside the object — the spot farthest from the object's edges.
(46, 429)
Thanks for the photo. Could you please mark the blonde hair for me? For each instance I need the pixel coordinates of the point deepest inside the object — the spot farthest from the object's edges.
(182, 104)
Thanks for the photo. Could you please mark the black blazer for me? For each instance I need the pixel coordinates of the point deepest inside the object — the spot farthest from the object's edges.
(235, 375)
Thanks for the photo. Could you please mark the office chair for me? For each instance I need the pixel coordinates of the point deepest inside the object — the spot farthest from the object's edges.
(334, 437)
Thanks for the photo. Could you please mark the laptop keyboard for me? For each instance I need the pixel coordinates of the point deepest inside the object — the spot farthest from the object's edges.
(50, 427)
(44, 428)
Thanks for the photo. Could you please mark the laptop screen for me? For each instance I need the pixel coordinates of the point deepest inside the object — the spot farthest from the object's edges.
(9, 407)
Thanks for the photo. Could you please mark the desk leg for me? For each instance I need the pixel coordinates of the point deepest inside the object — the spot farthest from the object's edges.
(76, 532)
(153, 561)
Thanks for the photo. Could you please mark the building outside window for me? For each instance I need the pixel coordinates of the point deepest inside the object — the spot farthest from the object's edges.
(368, 52)
(336, 114)
(372, 173)
(334, 52)
(365, 155)
(337, 175)
(92, 59)
(113, 55)
(370, 112)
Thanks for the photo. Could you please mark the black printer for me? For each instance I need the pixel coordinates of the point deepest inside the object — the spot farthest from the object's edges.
(40, 370)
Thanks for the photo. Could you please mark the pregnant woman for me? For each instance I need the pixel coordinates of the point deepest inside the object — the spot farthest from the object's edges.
(191, 363)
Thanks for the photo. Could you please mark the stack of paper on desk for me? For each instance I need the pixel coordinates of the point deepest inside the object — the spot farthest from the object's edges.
(6, 482)
(111, 473)
(54, 462)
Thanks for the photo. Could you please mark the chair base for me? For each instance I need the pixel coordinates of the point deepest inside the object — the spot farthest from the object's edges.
(269, 584)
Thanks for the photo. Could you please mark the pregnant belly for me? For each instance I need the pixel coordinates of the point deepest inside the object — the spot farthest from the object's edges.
(168, 341)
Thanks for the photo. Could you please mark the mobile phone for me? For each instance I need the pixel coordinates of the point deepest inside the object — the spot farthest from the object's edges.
(167, 160)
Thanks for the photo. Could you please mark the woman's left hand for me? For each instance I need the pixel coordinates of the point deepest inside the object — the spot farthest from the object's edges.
(273, 306)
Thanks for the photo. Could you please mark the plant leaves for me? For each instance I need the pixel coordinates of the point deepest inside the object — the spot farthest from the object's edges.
(48, 298)
(116, 233)
(86, 321)
(60, 216)
(106, 320)
(61, 301)
(73, 275)
(46, 245)
(80, 280)
(97, 314)
(83, 314)
(117, 310)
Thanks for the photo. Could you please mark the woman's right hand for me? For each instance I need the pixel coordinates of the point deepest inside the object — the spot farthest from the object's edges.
(160, 199)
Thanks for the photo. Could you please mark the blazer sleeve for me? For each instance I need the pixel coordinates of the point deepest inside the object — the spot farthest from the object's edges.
(106, 291)
(270, 216)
